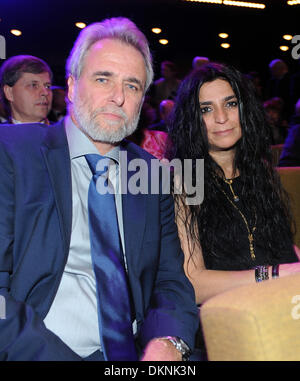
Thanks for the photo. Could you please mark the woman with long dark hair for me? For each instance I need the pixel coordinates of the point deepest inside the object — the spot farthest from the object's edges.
(242, 230)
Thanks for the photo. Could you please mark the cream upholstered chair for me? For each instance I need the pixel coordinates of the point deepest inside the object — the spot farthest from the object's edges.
(290, 178)
(257, 322)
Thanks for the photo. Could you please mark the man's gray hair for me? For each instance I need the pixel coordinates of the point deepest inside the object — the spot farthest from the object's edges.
(119, 28)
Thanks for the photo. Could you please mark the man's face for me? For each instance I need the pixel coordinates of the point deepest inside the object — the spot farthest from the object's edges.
(30, 97)
(107, 97)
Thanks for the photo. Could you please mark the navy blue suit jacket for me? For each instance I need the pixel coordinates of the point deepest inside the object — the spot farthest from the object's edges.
(290, 156)
(35, 229)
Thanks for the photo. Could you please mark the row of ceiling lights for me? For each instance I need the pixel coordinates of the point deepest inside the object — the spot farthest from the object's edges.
(240, 3)
(82, 25)
(284, 48)
(232, 3)
(225, 45)
(164, 41)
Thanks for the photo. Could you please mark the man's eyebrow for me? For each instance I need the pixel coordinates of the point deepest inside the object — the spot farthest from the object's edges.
(110, 74)
(37, 81)
(225, 99)
(103, 73)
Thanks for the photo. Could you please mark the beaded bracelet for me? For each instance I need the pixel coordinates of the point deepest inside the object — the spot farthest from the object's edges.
(261, 273)
(275, 271)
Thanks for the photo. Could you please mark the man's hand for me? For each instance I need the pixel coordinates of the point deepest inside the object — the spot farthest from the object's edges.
(161, 350)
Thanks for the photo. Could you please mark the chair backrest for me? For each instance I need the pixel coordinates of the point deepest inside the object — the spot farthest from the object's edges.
(257, 322)
(290, 178)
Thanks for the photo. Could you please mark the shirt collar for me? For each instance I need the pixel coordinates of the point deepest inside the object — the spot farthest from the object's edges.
(15, 121)
(80, 144)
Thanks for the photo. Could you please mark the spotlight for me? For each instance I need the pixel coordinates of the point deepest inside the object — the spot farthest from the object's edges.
(156, 30)
(293, 2)
(163, 41)
(225, 45)
(80, 25)
(206, 1)
(16, 32)
(244, 4)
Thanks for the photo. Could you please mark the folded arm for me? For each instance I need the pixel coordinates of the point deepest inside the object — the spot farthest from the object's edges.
(173, 311)
(208, 283)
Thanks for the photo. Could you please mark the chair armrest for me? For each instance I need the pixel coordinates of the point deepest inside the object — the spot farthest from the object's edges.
(256, 322)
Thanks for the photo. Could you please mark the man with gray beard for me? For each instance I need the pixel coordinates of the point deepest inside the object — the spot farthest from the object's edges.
(88, 276)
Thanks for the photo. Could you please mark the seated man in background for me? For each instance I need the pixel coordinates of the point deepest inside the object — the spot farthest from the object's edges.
(165, 109)
(290, 156)
(59, 106)
(25, 89)
(199, 61)
(165, 87)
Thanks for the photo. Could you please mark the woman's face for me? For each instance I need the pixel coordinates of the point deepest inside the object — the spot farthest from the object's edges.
(220, 112)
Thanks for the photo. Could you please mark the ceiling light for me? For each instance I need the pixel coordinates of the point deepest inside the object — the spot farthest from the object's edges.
(156, 30)
(225, 45)
(80, 25)
(244, 4)
(163, 41)
(293, 2)
(16, 32)
(206, 1)
(287, 37)
(284, 48)
(234, 3)
(223, 35)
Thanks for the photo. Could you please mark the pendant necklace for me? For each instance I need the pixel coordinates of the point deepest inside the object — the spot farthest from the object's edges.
(249, 230)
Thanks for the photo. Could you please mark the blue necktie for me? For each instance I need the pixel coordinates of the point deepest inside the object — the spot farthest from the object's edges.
(114, 308)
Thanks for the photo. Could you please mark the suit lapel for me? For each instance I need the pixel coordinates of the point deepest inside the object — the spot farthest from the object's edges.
(134, 218)
(56, 153)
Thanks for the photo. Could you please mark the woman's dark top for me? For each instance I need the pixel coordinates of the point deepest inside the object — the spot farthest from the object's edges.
(231, 250)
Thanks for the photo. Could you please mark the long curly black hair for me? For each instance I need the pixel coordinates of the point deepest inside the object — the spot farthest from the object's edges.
(261, 185)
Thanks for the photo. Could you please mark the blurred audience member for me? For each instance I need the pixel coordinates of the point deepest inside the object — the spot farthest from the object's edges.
(153, 142)
(256, 80)
(279, 85)
(58, 110)
(25, 89)
(151, 110)
(165, 109)
(290, 156)
(3, 117)
(295, 86)
(165, 87)
(279, 126)
(199, 61)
